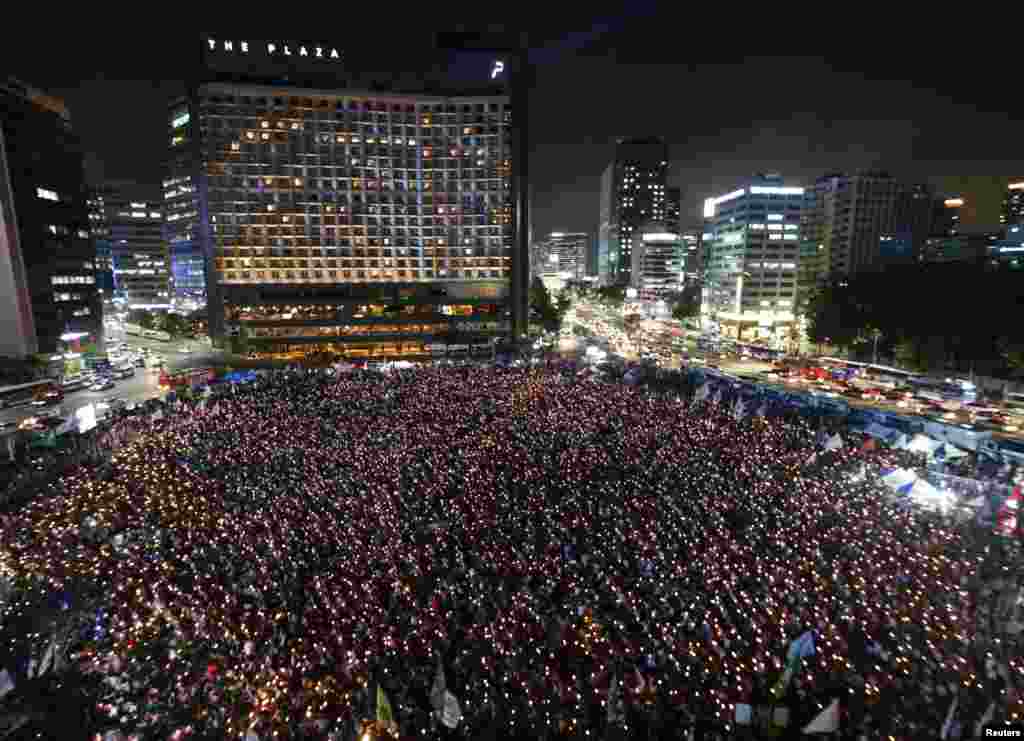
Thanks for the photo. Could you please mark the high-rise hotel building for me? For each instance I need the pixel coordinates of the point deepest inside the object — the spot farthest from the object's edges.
(633, 192)
(337, 212)
(752, 243)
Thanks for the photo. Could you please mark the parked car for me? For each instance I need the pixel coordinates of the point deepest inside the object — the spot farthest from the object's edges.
(103, 385)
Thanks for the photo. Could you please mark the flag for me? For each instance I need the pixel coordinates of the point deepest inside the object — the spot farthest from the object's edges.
(834, 443)
(452, 713)
(827, 721)
(739, 410)
(948, 725)
(384, 713)
(985, 719)
(45, 439)
(1007, 517)
(438, 690)
(6, 682)
(614, 712)
(799, 649)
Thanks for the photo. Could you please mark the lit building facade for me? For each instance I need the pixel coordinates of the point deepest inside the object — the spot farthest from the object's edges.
(633, 191)
(353, 220)
(138, 251)
(693, 254)
(181, 206)
(658, 257)
(673, 213)
(844, 220)
(1013, 203)
(100, 231)
(751, 244)
(566, 253)
(48, 295)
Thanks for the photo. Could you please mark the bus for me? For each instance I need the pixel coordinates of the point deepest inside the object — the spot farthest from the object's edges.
(888, 375)
(193, 377)
(948, 388)
(25, 393)
(759, 352)
(1014, 402)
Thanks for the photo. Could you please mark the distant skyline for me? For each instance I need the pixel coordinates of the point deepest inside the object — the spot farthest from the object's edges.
(724, 117)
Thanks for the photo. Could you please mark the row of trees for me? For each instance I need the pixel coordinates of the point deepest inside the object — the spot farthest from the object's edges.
(547, 309)
(176, 325)
(925, 317)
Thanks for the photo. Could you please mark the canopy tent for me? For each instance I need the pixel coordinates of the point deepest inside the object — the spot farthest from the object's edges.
(925, 495)
(899, 479)
(888, 435)
(934, 448)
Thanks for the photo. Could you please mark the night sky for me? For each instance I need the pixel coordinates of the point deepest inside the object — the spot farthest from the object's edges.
(918, 114)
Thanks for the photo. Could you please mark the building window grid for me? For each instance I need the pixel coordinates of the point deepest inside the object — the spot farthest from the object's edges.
(390, 170)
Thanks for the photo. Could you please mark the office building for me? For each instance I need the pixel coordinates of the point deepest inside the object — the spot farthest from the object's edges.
(566, 254)
(1013, 203)
(751, 243)
(48, 297)
(590, 261)
(845, 218)
(633, 191)
(138, 251)
(673, 206)
(912, 225)
(658, 257)
(100, 231)
(960, 248)
(947, 212)
(693, 254)
(346, 212)
(181, 214)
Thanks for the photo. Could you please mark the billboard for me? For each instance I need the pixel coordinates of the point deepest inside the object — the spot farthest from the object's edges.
(86, 418)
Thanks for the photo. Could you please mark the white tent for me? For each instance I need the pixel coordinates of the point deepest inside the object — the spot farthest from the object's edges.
(923, 444)
(885, 434)
(935, 448)
(899, 479)
(834, 443)
(951, 452)
(925, 495)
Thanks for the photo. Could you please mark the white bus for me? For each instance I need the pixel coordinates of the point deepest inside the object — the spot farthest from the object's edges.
(1014, 402)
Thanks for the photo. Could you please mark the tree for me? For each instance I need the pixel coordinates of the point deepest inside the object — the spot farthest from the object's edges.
(833, 315)
(145, 319)
(175, 325)
(612, 295)
(870, 336)
(632, 324)
(687, 307)
(1012, 353)
(239, 344)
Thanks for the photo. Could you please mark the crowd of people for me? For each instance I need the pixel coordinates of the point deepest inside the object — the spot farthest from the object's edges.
(505, 553)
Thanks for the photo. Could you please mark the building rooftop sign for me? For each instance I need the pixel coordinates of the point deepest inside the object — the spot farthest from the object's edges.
(273, 49)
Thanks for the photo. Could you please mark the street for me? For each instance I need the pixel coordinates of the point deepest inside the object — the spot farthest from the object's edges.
(143, 385)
